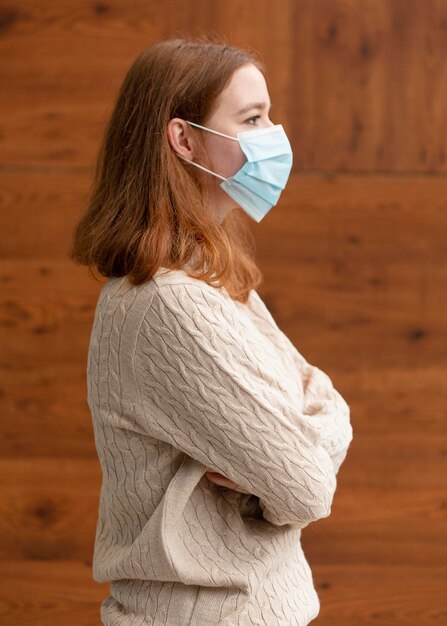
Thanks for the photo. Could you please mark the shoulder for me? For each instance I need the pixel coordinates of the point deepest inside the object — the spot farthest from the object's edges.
(190, 312)
(166, 286)
(179, 281)
(180, 302)
(174, 299)
(183, 300)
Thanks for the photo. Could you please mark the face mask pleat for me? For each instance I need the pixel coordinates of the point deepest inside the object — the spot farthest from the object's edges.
(253, 204)
(268, 192)
(275, 145)
(273, 173)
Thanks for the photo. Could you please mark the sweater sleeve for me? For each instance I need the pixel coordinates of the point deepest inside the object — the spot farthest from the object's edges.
(328, 412)
(208, 389)
(325, 408)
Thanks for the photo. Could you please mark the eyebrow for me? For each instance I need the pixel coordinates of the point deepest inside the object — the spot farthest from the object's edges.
(253, 105)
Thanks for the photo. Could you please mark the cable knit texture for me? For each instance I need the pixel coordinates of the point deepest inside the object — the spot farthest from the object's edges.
(180, 378)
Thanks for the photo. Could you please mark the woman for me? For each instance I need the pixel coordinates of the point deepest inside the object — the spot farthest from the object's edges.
(218, 441)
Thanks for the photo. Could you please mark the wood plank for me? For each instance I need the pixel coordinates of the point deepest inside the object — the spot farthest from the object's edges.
(49, 592)
(66, 63)
(348, 80)
(369, 86)
(370, 594)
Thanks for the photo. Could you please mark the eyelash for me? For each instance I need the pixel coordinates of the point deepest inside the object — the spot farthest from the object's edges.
(255, 117)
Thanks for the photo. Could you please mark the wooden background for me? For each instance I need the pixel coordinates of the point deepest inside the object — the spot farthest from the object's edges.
(354, 258)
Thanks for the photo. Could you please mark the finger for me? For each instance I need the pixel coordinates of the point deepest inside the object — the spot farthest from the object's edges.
(218, 479)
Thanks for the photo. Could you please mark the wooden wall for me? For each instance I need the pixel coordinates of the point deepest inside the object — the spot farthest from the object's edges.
(354, 258)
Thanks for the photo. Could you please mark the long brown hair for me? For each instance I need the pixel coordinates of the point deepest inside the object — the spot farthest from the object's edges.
(146, 207)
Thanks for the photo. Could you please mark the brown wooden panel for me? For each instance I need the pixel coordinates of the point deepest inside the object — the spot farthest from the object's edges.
(50, 593)
(373, 525)
(362, 594)
(38, 213)
(48, 507)
(360, 86)
(369, 86)
(65, 64)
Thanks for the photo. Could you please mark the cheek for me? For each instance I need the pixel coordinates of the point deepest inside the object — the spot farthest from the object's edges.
(230, 160)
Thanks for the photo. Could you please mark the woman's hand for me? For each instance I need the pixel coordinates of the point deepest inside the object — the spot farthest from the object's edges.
(223, 481)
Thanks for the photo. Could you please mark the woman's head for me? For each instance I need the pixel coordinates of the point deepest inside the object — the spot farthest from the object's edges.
(244, 104)
(148, 207)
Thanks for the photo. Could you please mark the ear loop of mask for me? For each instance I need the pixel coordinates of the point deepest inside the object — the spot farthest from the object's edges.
(202, 166)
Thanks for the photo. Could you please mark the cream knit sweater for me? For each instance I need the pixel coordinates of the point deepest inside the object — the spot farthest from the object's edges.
(180, 378)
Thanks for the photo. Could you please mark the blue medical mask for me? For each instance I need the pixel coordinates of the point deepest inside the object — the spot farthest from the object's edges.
(257, 185)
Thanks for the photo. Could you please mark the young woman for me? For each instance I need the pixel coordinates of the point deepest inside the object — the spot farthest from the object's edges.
(218, 441)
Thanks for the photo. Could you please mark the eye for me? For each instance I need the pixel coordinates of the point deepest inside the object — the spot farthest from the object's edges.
(255, 117)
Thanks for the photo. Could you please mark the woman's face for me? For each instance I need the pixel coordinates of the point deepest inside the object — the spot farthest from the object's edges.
(244, 105)
(236, 112)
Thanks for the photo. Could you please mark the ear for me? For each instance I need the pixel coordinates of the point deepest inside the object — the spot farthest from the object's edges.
(180, 137)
